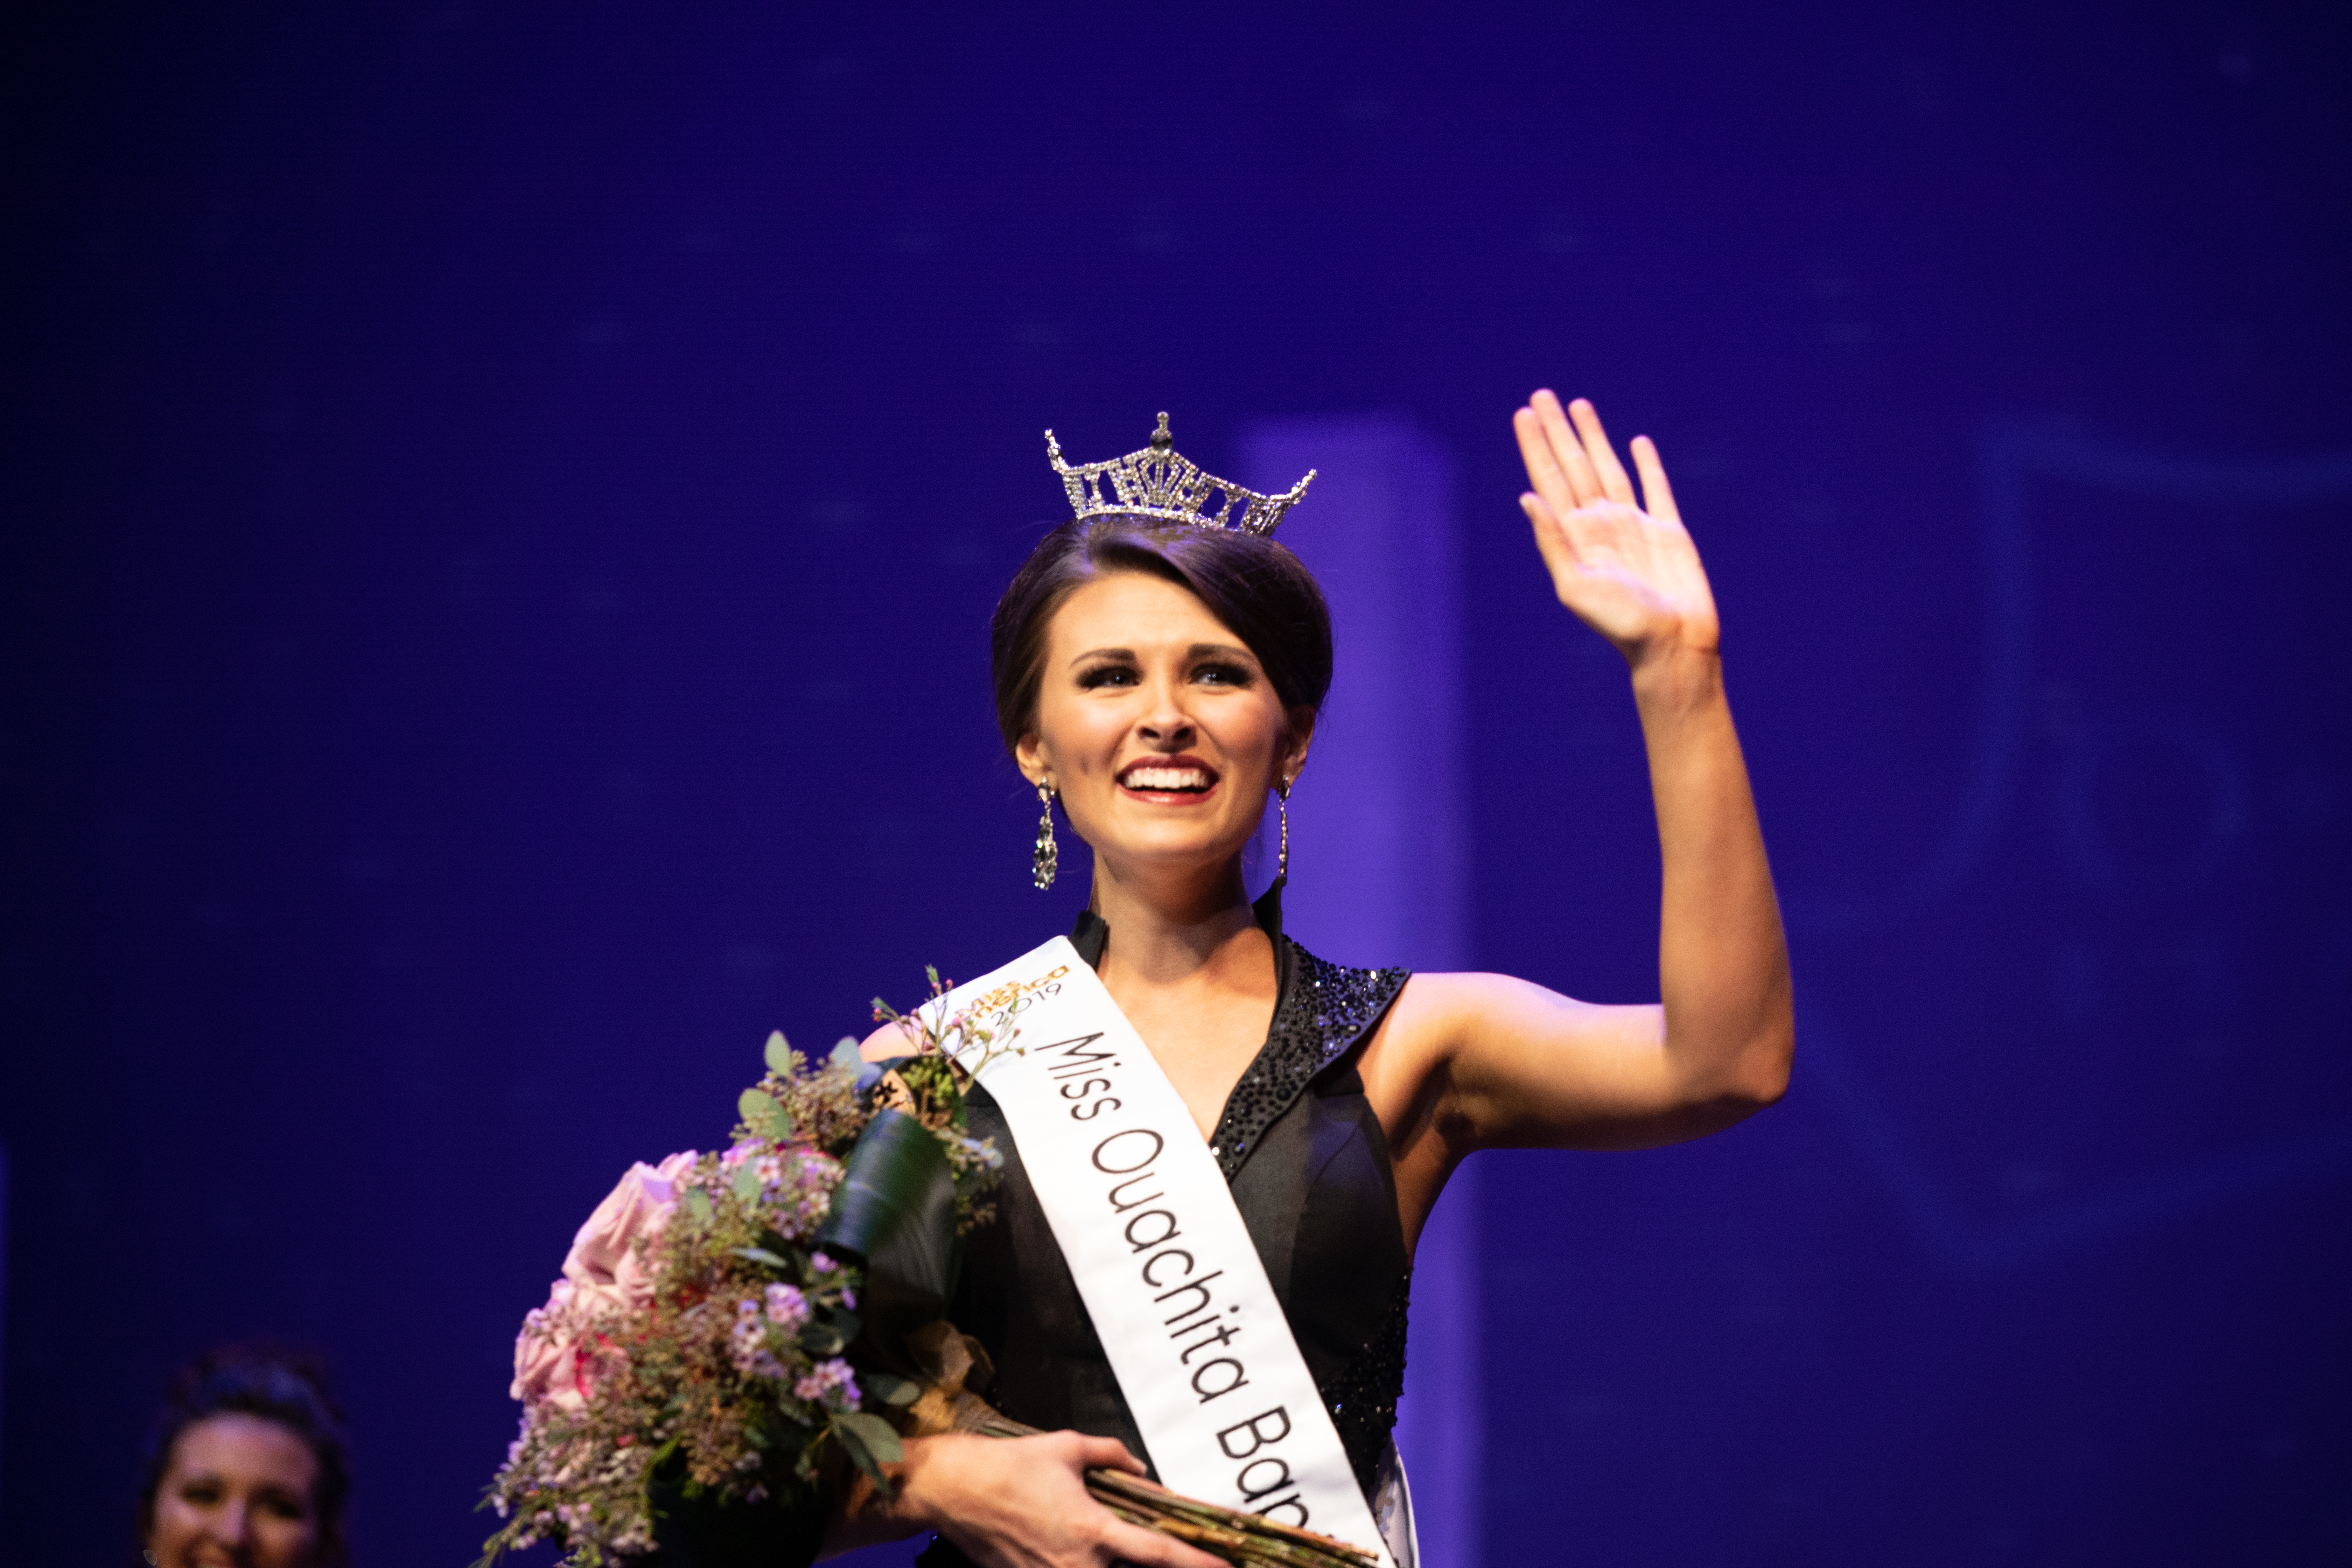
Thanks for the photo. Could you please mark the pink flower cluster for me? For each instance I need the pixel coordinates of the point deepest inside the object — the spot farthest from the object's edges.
(787, 1308)
(780, 1308)
(747, 1342)
(830, 1384)
(797, 1181)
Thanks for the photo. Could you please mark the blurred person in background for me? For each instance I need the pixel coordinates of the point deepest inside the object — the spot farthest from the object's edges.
(246, 1466)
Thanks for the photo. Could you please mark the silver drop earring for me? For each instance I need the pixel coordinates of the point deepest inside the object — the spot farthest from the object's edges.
(1282, 849)
(1048, 859)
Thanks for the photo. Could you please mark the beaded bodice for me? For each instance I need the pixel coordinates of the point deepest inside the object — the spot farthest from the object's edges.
(1324, 1011)
(1308, 1164)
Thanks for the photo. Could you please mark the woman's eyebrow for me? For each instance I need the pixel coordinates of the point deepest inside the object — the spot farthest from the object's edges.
(1209, 649)
(1126, 653)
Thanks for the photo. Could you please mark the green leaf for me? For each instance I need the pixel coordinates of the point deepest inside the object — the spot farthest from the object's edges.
(895, 1392)
(746, 1180)
(761, 1255)
(857, 1434)
(767, 1115)
(780, 1055)
(875, 1433)
(895, 1213)
(697, 1205)
(821, 1338)
(845, 1053)
(862, 1459)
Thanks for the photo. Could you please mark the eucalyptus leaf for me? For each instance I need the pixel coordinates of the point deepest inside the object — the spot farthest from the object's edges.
(894, 1391)
(765, 1113)
(747, 1182)
(876, 1433)
(845, 1053)
(780, 1055)
(762, 1256)
(697, 1205)
(853, 1445)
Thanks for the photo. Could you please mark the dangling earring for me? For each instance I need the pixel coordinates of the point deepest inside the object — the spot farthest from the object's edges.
(1048, 859)
(1282, 849)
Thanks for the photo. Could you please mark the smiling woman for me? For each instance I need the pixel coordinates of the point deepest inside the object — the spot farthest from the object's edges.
(1160, 664)
(246, 1468)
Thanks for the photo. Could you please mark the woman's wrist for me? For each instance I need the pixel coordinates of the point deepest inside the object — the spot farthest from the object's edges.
(1671, 677)
(867, 1518)
(914, 1481)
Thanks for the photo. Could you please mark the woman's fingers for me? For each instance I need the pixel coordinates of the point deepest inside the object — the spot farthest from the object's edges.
(1551, 537)
(1132, 1544)
(1567, 452)
(1597, 450)
(1109, 1454)
(1657, 496)
(1544, 471)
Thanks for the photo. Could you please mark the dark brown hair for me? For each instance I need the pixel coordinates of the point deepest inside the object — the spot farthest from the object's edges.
(286, 1386)
(1251, 583)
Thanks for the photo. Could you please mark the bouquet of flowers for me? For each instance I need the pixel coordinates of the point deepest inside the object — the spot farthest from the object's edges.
(737, 1334)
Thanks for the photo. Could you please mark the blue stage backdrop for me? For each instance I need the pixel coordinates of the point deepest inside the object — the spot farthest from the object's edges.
(501, 505)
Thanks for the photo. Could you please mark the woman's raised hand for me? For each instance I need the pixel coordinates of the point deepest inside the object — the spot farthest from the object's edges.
(1628, 571)
(1021, 1502)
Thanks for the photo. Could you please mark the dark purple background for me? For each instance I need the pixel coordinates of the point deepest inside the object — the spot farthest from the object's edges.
(501, 508)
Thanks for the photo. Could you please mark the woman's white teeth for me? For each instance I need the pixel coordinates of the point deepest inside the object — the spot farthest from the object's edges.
(1166, 778)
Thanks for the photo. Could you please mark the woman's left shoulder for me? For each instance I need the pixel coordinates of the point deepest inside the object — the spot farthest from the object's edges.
(1425, 1015)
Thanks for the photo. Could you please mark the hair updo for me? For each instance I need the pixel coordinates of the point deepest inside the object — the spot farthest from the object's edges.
(287, 1387)
(1254, 585)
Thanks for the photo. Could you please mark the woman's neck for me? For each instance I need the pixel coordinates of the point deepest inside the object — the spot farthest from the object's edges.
(1168, 931)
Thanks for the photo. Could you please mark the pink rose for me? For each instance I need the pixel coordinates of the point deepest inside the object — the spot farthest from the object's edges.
(604, 1260)
(547, 1361)
(602, 1275)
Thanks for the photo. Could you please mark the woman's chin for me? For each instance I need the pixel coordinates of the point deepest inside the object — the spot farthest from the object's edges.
(1169, 851)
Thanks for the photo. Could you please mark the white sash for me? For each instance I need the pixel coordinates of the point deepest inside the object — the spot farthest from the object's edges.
(1170, 1275)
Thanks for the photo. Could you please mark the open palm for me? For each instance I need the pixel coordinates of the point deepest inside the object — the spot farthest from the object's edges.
(1629, 572)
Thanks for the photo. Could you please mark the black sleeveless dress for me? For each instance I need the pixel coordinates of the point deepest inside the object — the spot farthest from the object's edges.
(1309, 1166)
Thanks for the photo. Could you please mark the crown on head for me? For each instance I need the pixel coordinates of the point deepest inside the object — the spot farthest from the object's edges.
(1157, 483)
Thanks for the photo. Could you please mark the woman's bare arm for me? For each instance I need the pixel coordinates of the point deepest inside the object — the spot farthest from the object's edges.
(1471, 1061)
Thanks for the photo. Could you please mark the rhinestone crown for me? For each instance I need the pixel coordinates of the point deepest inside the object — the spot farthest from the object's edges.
(1157, 483)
